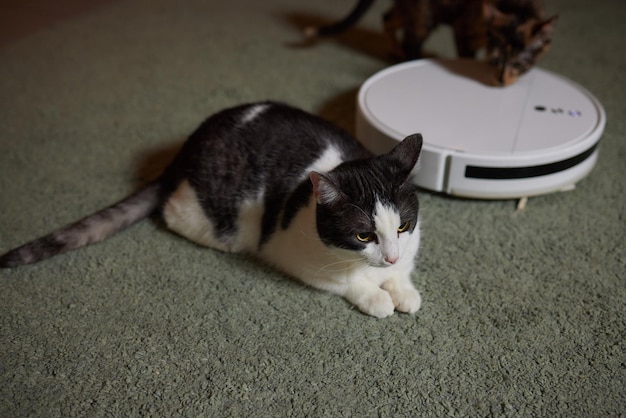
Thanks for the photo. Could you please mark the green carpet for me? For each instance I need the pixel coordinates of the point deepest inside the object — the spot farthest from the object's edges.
(523, 314)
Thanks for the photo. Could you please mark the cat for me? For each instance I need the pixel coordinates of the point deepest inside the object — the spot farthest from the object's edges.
(513, 33)
(288, 187)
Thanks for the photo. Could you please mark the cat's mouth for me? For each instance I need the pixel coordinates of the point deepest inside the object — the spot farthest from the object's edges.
(506, 71)
(506, 77)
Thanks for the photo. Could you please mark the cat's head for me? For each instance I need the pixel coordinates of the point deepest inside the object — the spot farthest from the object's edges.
(370, 206)
(515, 45)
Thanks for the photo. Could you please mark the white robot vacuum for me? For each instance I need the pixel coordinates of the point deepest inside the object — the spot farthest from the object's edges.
(539, 135)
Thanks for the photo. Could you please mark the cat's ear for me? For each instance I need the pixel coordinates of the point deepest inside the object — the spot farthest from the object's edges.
(407, 152)
(546, 27)
(325, 190)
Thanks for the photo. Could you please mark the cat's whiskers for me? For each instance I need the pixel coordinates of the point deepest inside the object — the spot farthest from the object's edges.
(308, 235)
(351, 265)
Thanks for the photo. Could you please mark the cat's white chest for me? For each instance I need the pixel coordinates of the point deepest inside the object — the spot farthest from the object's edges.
(297, 250)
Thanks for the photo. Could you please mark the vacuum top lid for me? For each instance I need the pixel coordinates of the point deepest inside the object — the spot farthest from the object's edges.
(541, 119)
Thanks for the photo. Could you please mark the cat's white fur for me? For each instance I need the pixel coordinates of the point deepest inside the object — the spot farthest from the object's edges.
(253, 112)
(184, 215)
(375, 287)
(376, 280)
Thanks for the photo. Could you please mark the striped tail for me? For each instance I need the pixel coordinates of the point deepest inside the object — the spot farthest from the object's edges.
(344, 24)
(91, 229)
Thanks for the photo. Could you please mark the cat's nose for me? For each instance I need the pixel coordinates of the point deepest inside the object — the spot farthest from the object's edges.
(391, 259)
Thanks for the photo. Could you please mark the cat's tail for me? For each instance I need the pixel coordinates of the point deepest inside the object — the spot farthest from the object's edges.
(91, 229)
(342, 25)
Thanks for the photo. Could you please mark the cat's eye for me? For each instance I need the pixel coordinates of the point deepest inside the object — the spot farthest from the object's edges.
(404, 227)
(365, 236)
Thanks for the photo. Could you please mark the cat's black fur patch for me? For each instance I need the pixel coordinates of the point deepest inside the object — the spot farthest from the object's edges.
(259, 160)
(298, 199)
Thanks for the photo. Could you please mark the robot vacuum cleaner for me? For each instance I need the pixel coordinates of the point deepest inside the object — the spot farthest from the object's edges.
(537, 136)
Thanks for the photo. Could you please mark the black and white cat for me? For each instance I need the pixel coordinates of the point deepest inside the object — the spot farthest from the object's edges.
(292, 189)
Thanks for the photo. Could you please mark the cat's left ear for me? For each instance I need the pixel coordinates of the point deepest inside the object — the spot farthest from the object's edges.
(545, 26)
(325, 190)
(407, 152)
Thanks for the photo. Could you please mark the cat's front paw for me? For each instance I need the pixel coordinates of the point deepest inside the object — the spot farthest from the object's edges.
(377, 303)
(408, 301)
(405, 297)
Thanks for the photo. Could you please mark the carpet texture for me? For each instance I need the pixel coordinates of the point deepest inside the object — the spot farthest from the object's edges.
(523, 313)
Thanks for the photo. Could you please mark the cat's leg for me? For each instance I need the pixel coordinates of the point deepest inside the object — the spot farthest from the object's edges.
(184, 215)
(412, 41)
(407, 25)
(469, 36)
(404, 295)
(377, 291)
(394, 23)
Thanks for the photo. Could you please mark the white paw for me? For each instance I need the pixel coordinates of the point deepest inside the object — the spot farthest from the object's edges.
(378, 304)
(407, 300)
